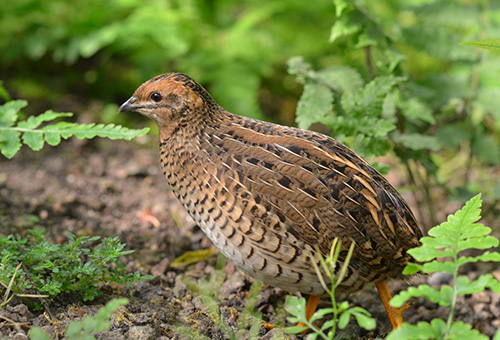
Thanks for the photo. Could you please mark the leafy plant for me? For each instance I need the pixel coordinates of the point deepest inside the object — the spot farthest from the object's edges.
(11, 129)
(442, 251)
(341, 312)
(228, 45)
(488, 44)
(410, 87)
(249, 321)
(85, 329)
(63, 268)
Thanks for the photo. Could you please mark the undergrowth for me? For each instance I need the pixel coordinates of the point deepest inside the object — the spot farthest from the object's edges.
(35, 263)
(209, 292)
(341, 311)
(85, 329)
(442, 251)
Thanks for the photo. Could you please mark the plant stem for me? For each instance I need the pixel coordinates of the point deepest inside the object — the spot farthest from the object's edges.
(454, 296)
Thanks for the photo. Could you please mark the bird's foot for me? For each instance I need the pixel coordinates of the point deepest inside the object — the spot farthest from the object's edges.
(395, 314)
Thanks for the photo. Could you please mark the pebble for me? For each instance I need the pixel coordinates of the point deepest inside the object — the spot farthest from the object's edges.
(439, 278)
(140, 332)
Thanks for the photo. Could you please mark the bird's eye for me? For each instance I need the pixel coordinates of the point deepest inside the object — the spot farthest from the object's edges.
(156, 97)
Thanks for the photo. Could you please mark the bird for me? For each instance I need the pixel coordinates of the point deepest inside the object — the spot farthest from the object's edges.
(271, 197)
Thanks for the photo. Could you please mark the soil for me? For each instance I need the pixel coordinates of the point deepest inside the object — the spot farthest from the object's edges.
(116, 188)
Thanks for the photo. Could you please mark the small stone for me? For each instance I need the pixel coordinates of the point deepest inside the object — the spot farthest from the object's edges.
(478, 307)
(439, 278)
(140, 332)
(160, 268)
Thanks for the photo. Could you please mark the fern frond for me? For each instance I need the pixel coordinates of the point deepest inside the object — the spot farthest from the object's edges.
(30, 133)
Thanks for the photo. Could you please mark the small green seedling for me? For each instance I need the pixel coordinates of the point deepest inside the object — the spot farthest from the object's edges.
(85, 329)
(209, 291)
(341, 311)
(440, 252)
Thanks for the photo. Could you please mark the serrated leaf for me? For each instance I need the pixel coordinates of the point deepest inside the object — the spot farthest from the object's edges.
(427, 253)
(52, 138)
(485, 257)
(460, 330)
(443, 241)
(10, 142)
(463, 218)
(484, 281)
(437, 266)
(443, 296)
(111, 131)
(477, 243)
(488, 44)
(368, 101)
(375, 127)
(9, 112)
(423, 330)
(33, 139)
(368, 146)
(315, 103)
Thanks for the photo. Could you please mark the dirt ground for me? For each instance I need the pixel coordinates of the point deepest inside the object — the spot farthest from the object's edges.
(107, 188)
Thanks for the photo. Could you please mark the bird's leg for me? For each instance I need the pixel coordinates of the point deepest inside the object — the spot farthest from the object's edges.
(311, 305)
(395, 314)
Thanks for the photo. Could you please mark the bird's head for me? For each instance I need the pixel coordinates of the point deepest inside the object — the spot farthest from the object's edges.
(171, 98)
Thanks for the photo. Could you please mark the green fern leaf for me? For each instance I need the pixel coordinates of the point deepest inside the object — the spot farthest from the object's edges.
(9, 111)
(443, 296)
(488, 44)
(314, 105)
(35, 137)
(369, 100)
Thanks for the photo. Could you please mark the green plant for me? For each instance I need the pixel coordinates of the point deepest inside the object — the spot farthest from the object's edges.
(229, 45)
(488, 44)
(249, 321)
(442, 251)
(85, 329)
(62, 268)
(410, 87)
(11, 129)
(341, 312)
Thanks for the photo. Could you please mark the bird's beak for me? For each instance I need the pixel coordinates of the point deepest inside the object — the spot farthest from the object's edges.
(129, 105)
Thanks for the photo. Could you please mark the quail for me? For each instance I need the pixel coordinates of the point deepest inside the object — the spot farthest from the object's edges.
(268, 196)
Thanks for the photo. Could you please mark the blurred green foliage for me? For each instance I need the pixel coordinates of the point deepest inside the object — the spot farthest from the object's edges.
(106, 49)
(404, 82)
(382, 76)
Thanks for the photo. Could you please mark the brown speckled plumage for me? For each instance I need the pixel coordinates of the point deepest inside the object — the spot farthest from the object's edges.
(267, 195)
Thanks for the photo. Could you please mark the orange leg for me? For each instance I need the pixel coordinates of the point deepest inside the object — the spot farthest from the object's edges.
(311, 305)
(395, 314)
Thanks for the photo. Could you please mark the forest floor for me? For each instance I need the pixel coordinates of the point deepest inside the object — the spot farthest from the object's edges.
(112, 188)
